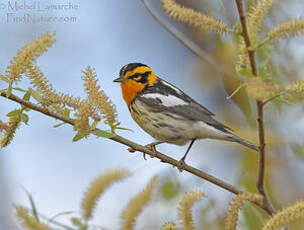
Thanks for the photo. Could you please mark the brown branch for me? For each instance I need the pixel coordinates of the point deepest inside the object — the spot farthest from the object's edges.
(164, 158)
(261, 170)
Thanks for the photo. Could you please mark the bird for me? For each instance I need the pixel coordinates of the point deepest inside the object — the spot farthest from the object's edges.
(167, 113)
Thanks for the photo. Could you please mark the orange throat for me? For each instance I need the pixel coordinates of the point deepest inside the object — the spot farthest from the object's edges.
(130, 89)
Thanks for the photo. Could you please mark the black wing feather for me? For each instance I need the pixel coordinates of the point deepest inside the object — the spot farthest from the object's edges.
(193, 110)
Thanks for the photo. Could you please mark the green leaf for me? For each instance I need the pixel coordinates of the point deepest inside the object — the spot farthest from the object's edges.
(27, 96)
(77, 222)
(169, 190)
(16, 112)
(35, 95)
(122, 128)
(77, 137)
(19, 89)
(9, 90)
(93, 126)
(4, 78)
(24, 118)
(102, 133)
(58, 125)
(245, 73)
(66, 112)
(58, 215)
(33, 206)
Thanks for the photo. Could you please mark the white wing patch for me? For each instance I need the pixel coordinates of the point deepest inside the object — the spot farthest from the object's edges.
(172, 87)
(169, 100)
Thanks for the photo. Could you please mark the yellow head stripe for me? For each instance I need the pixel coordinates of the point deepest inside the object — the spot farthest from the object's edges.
(140, 69)
(152, 79)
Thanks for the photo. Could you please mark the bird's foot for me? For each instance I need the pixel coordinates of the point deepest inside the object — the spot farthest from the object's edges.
(182, 163)
(152, 148)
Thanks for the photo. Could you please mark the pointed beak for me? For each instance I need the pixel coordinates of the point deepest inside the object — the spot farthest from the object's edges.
(120, 79)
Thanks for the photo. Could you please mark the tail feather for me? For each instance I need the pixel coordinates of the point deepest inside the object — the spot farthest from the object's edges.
(242, 141)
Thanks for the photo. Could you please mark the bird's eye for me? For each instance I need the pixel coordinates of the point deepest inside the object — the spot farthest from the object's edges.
(137, 78)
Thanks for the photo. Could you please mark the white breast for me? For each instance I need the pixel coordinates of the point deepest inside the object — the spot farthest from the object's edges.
(172, 128)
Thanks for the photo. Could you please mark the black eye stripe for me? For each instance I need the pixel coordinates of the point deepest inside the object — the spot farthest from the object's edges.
(134, 76)
(142, 75)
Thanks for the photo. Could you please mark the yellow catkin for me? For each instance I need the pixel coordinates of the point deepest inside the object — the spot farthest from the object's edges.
(97, 188)
(286, 216)
(260, 90)
(193, 18)
(27, 55)
(62, 99)
(169, 226)
(29, 222)
(296, 90)
(3, 126)
(98, 97)
(285, 29)
(242, 62)
(235, 206)
(257, 14)
(82, 125)
(8, 134)
(48, 95)
(38, 80)
(185, 205)
(136, 205)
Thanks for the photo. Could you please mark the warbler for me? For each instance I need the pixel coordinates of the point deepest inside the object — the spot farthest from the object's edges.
(167, 113)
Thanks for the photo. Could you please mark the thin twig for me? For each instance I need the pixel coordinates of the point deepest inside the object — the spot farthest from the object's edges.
(186, 41)
(272, 98)
(261, 170)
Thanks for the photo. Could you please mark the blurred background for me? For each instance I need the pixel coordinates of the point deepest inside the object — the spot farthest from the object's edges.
(107, 35)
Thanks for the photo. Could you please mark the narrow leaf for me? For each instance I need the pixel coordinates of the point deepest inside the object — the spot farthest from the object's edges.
(24, 118)
(27, 96)
(245, 73)
(4, 78)
(95, 123)
(51, 220)
(77, 222)
(19, 89)
(58, 125)
(77, 137)
(35, 95)
(9, 90)
(101, 133)
(66, 112)
(122, 128)
(33, 206)
(16, 112)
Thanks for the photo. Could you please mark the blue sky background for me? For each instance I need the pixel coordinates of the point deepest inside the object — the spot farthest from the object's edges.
(45, 161)
(106, 35)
